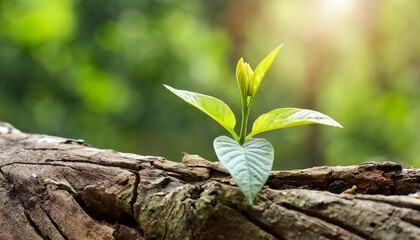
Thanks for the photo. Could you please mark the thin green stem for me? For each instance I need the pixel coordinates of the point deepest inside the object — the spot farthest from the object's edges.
(246, 105)
(233, 133)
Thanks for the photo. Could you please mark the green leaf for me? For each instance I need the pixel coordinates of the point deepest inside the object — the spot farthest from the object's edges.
(262, 69)
(289, 117)
(249, 164)
(215, 108)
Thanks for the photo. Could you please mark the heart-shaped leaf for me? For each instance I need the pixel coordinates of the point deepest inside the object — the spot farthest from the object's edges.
(215, 108)
(289, 117)
(249, 164)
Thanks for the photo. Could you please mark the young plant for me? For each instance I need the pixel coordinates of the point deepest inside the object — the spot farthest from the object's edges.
(249, 160)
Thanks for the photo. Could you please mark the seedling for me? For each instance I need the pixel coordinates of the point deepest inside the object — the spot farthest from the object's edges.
(249, 160)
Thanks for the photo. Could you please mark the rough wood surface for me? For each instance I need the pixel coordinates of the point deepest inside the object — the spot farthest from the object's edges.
(58, 188)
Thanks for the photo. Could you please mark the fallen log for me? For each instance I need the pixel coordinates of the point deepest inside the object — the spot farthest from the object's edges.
(59, 188)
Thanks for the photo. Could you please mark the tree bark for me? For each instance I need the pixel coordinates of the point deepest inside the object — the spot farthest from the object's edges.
(58, 188)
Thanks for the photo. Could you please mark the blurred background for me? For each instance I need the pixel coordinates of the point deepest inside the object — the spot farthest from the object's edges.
(94, 70)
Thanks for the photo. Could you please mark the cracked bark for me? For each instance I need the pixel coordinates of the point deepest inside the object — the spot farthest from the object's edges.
(58, 188)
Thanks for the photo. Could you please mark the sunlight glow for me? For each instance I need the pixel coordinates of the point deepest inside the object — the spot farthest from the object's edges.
(331, 15)
(337, 5)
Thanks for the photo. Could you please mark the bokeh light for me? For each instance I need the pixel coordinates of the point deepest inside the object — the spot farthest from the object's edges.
(95, 69)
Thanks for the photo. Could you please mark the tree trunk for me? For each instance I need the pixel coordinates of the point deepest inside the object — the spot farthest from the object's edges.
(58, 188)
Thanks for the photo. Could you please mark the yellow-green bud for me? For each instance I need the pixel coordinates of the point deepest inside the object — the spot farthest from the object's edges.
(244, 77)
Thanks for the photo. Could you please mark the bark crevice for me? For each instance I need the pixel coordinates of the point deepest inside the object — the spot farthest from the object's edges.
(56, 226)
(328, 220)
(34, 226)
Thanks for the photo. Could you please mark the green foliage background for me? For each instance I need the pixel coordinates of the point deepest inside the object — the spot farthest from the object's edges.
(95, 69)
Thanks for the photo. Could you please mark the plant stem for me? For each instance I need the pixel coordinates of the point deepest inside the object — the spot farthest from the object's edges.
(246, 104)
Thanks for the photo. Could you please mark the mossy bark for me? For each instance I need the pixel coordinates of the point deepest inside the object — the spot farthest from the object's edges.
(58, 188)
